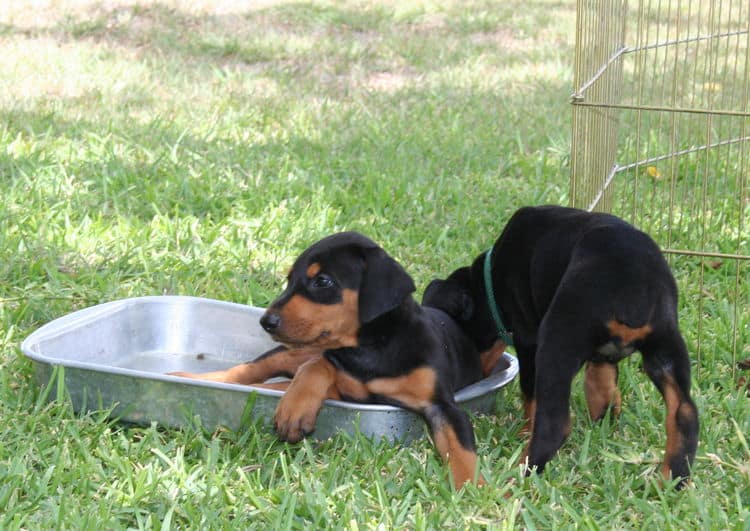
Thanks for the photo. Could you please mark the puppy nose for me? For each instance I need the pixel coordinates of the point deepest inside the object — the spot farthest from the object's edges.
(270, 321)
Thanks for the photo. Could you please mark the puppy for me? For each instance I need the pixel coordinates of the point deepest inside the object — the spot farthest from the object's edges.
(353, 331)
(568, 288)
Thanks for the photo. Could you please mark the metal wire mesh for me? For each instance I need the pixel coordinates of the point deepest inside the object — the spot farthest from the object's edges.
(661, 136)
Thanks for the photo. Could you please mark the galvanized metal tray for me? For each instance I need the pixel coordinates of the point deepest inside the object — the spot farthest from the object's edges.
(118, 353)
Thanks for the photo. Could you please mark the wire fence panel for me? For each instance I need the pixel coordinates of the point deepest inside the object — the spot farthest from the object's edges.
(661, 137)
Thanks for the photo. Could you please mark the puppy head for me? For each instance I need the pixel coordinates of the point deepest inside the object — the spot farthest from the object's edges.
(462, 297)
(335, 286)
(451, 297)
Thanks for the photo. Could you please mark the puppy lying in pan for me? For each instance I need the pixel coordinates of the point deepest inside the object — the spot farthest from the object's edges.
(353, 331)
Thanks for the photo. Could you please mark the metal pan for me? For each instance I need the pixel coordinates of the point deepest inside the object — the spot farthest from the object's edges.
(117, 354)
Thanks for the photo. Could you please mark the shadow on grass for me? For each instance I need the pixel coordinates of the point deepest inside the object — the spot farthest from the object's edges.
(395, 142)
(315, 40)
(94, 180)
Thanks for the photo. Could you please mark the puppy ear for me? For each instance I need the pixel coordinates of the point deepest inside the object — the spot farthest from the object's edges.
(449, 297)
(385, 285)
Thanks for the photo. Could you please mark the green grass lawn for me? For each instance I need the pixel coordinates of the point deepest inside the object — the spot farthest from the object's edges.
(163, 148)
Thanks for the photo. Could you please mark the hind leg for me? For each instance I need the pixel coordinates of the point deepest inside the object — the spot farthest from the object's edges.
(601, 389)
(453, 437)
(278, 361)
(667, 363)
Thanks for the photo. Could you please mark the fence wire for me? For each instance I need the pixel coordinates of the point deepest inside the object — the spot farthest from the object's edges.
(660, 137)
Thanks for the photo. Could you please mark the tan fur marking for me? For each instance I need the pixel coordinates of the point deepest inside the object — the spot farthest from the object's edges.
(490, 358)
(298, 408)
(350, 387)
(627, 334)
(304, 322)
(462, 462)
(674, 440)
(568, 427)
(258, 371)
(313, 269)
(415, 390)
(524, 459)
(529, 410)
(601, 389)
(331, 394)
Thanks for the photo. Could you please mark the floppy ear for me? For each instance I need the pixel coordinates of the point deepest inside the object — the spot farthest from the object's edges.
(385, 285)
(449, 297)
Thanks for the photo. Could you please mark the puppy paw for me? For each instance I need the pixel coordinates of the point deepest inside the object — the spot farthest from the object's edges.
(294, 419)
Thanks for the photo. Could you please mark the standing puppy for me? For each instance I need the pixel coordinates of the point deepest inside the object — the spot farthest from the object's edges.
(569, 287)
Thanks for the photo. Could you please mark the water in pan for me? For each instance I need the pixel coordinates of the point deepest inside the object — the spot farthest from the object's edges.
(161, 362)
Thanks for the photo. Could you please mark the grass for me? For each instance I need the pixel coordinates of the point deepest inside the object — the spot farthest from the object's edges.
(163, 148)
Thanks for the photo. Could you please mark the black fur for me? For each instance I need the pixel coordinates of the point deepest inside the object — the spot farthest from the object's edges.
(561, 276)
(395, 338)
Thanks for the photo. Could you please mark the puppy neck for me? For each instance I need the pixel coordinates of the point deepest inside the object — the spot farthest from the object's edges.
(481, 327)
(383, 329)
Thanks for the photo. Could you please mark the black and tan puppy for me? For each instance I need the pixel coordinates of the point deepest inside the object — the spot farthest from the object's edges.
(354, 332)
(577, 288)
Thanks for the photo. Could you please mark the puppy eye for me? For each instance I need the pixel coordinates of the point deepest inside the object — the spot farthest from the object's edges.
(322, 282)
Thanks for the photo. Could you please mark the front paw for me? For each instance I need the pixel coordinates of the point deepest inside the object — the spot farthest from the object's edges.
(294, 419)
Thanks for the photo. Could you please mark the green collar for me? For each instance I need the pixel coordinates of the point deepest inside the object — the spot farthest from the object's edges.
(502, 332)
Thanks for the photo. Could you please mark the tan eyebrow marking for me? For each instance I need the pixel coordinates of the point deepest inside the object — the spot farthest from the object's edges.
(313, 269)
